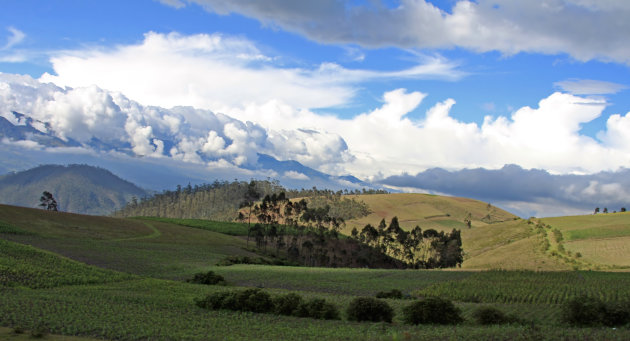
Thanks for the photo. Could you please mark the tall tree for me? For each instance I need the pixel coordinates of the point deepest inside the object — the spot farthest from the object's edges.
(47, 201)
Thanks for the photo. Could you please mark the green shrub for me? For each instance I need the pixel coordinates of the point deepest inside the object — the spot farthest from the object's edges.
(617, 314)
(254, 300)
(432, 310)
(287, 304)
(492, 315)
(318, 308)
(584, 311)
(208, 278)
(394, 293)
(369, 309)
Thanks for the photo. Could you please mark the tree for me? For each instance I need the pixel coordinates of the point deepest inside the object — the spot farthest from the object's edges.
(623, 209)
(47, 201)
(250, 197)
(596, 210)
(605, 209)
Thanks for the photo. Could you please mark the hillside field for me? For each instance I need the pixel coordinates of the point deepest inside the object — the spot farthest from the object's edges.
(124, 279)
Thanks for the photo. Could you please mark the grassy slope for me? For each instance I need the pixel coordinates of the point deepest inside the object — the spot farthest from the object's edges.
(602, 239)
(427, 211)
(150, 248)
(147, 308)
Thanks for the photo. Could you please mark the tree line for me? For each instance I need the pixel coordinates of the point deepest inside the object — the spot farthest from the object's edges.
(310, 235)
(221, 200)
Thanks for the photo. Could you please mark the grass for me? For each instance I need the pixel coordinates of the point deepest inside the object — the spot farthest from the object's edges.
(23, 265)
(148, 248)
(229, 228)
(601, 240)
(67, 296)
(427, 211)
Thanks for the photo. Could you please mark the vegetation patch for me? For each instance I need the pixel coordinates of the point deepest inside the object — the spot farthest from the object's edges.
(207, 278)
(432, 310)
(23, 265)
(258, 301)
(590, 311)
(492, 315)
(369, 309)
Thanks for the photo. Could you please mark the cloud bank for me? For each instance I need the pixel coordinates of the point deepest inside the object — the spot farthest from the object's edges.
(584, 29)
(211, 71)
(526, 192)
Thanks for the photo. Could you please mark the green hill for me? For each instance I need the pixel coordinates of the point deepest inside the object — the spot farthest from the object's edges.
(77, 188)
(148, 248)
(58, 275)
(499, 240)
(427, 211)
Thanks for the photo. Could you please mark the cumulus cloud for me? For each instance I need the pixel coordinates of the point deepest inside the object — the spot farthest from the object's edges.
(526, 192)
(387, 141)
(210, 71)
(95, 118)
(585, 29)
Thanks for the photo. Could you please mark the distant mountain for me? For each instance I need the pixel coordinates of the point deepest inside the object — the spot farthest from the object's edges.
(77, 188)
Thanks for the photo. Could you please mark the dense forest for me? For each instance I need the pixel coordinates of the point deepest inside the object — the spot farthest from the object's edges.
(221, 200)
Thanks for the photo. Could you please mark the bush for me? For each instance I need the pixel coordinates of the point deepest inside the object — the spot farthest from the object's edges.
(287, 304)
(589, 311)
(394, 293)
(208, 278)
(369, 309)
(617, 314)
(318, 308)
(432, 310)
(254, 300)
(584, 311)
(492, 315)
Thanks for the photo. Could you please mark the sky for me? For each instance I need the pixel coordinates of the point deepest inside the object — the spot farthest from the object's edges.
(382, 90)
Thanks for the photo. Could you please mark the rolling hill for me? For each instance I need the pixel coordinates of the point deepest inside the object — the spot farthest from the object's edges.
(498, 239)
(77, 188)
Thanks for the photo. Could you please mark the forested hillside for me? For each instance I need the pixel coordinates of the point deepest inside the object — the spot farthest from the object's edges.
(76, 188)
(222, 200)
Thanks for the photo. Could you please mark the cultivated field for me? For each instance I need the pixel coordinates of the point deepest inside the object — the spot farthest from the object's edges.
(122, 279)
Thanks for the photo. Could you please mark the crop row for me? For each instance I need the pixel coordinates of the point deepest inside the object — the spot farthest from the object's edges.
(533, 287)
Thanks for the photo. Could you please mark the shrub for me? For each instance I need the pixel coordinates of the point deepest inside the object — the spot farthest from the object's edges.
(617, 314)
(369, 309)
(254, 300)
(584, 311)
(287, 304)
(208, 278)
(492, 315)
(394, 293)
(432, 310)
(318, 308)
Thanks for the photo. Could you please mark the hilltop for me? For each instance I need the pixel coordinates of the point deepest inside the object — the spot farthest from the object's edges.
(441, 213)
(77, 188)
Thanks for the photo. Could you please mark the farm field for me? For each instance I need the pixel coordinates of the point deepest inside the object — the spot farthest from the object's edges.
(124, 279)
(600, 239)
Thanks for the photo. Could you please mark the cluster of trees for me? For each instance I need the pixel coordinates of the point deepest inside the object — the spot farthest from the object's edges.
(221, 200)
(418, 249)
(311, 235)
(623, 209)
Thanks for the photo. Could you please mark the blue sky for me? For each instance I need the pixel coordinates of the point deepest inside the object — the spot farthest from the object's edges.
(495, 83)
(371, 88)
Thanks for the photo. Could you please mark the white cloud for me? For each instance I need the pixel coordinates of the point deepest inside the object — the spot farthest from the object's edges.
(211, 71)
(589, 87)
(585, 29)
(295, 175)
(15, 38)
